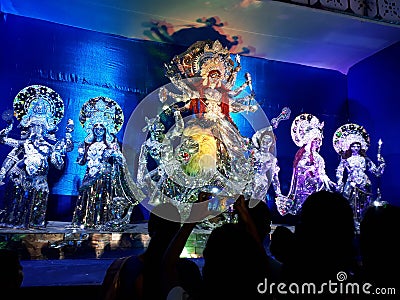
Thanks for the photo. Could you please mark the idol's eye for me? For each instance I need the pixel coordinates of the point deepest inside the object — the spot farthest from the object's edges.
(214, 75)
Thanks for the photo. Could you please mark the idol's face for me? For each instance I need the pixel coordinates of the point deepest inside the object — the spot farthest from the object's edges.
(157, 131)
(37, 130)
(266, 142)
(355, 148)
(98, 130)
(40, 107)
(157, 135)
(214, 77)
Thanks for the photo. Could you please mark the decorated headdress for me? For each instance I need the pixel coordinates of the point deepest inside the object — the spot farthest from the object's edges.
(101, 110)
(201, 58)
(264, 133)
(348, 134)
(153, 124)
(40, 105)
(305, 128)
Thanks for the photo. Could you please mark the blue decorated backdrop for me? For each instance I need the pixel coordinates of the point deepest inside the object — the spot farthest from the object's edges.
(81, 64)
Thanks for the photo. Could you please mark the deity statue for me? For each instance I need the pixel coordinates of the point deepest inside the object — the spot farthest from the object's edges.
(204, 150)
(351, 141)
(107, 194)
(205, 76)
(309, 173)
(39, 110)
(158, 147)
(265, 165)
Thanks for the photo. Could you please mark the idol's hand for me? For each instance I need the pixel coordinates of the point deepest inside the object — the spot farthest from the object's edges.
(327, 182)
(339, 186)
(252, 108)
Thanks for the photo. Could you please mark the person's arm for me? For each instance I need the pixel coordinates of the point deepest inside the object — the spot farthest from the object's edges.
(244, 215)
(171, 257)
(250, 226)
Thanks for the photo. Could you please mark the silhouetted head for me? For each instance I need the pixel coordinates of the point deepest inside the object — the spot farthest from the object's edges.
(261, 216)
(164, 221)
(282, 243)
(325, 235)
(327, 212)
(233, 263)
(11, 272)
(379, 245)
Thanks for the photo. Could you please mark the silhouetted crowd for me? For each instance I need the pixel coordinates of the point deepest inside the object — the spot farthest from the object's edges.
(323, 257)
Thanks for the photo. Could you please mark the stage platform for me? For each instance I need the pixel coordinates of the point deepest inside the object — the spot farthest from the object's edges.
(56, 241)
(72, 263)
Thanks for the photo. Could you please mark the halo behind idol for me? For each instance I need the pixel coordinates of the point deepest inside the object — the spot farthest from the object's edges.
(348, 134)
(101, 110)
(305, 128)
(38, 104)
